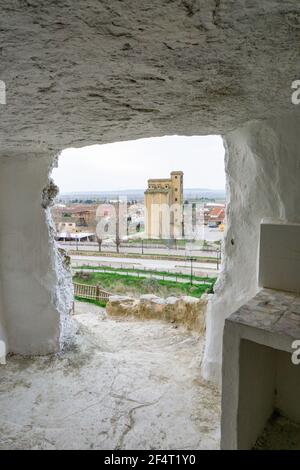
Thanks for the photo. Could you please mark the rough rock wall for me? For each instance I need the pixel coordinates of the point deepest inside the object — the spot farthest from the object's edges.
(3, 331)
(64, 290)
(186, 311)
(98, 71)
(35, 290)
(263, 183)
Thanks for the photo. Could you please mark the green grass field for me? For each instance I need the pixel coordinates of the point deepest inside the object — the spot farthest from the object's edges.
(135, 286)
(148, 271)
(99, 303)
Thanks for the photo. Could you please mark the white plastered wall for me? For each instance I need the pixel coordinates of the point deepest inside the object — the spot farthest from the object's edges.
(36, 289)
(263, 183)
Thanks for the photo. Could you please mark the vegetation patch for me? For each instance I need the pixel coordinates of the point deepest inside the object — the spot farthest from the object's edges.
(133, 285)
(99, 303)
(210, 280)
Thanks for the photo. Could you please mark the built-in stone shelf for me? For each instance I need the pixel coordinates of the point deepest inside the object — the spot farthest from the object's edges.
(258, 373)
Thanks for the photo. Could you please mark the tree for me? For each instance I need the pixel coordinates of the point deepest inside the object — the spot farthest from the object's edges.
(99, 241)
(118, 243)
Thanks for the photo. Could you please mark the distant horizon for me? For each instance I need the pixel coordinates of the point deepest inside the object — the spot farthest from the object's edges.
(136, 189)
(129, 164)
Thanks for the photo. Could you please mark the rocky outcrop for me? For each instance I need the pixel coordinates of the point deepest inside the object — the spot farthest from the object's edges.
(49, 193)
(186, 311)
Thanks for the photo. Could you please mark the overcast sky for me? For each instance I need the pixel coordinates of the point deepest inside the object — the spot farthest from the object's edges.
(128, 165)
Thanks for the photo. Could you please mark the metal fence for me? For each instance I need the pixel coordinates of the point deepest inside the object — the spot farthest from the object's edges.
(145, 245)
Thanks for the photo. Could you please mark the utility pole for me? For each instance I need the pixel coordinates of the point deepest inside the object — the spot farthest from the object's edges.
(218, 258)
(118, 226)
(142, 246)
(191, 259)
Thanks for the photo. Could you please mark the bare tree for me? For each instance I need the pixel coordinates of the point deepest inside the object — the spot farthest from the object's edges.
(118, 243)
(99, 241)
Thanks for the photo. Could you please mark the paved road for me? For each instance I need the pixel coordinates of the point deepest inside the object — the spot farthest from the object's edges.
(174, 266)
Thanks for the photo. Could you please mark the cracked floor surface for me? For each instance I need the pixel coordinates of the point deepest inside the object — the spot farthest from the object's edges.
(122, 384)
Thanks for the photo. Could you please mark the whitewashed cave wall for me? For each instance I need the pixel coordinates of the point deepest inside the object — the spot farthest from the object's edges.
(263, 182)
(263, 174)
(35, 290)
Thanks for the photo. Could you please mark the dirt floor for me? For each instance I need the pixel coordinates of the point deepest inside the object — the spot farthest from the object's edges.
(122, 384)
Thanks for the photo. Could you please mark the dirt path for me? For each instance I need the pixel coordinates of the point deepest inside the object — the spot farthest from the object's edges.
(121, 384)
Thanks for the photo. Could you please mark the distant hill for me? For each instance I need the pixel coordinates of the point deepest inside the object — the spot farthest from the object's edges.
(189, 193)
(200, 193)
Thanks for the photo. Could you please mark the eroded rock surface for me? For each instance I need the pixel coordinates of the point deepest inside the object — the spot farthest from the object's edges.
(104, 71)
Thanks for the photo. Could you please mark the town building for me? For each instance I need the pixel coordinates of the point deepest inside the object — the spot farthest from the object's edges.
(215, 215)
(67, 227)
(164, 207)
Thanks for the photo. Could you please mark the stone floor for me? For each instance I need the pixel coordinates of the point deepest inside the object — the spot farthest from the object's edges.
(122, 384)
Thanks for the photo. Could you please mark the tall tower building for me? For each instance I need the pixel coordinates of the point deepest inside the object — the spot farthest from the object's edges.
(177, 229)
(164, 207)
